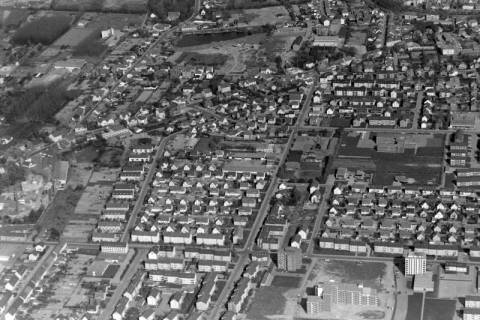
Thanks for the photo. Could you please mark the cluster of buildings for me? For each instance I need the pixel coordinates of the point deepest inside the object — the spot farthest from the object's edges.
(329, 294)
(256, 106)
(249, 280)
(389, 219)
(204, 199)
(14, 290)
(422, 82)
(188, 278)
(369, 97)
(115, 214)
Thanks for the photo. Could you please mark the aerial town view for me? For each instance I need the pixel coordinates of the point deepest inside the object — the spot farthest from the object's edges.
(239, 159)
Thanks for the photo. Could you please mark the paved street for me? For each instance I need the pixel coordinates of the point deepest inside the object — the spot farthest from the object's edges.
(418, 109)
(322, 208)
(122, 286)
(262, 214)
(49, 257)
(380, 129)
(146, 186)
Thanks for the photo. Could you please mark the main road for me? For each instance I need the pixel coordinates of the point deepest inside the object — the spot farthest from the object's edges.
(261, 216)
(146, 185)
(322, 208)
(383, 129)
(122, 286)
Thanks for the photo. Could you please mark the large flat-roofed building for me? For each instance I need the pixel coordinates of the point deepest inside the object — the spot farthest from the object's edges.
(327, 41)
(348, 293)
(116, 248)
(471, 314)
(70, 64)
(456, 267)
(415, 263)
(256, 167)
(317, 304)
(464, 120)
(423, 282)
(289, 259)
(472, 302)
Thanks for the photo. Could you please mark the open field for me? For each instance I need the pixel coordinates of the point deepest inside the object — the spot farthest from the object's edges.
(452, 288)
(275, 45)
(239, 52)
(267, 301)
(260, 16)
(63, 293)
(419, 161)
(62, 207)
(439, 309)
(10, 250)
(113, 20)
(370, 274)
(191, 40)
(196, 58)
(283, 299)
(73, 37)
(434, 309)
(286, 281)
(414, 307)
(240, 4)
(79, 174)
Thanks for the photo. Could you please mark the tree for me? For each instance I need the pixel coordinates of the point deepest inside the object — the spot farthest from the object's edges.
(279, 63)
(13, 174)
(54, 234)
(36, 104)
(162, 7)
(44, 30)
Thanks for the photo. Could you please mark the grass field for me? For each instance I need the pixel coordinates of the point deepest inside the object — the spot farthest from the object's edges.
(286, 282)
(434, 309)
(87, 154)
(420, 160)
(261, 16)
(196, 58)
(115, 20)
(57, 214)
(368, 273)
(414, 307)
(439, 309)
(266, 301)
(73, 37)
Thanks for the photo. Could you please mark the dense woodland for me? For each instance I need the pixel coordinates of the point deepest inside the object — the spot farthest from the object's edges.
(35, 104)
(13, 174)
(162, 7)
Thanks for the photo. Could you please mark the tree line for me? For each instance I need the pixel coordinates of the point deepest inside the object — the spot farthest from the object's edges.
(44, 30)
(162, 7)
(35, 104)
